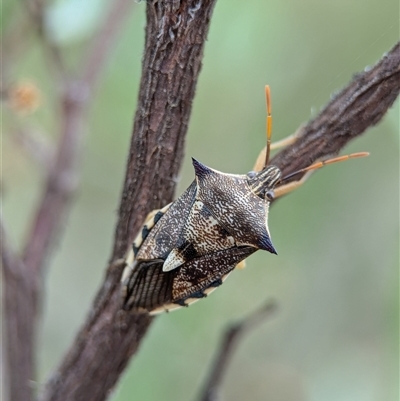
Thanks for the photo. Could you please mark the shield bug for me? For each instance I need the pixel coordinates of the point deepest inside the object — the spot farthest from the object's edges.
(188, 248)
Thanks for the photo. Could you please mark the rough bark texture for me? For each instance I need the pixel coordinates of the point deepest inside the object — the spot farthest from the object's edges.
(360, 105)
(175, 37)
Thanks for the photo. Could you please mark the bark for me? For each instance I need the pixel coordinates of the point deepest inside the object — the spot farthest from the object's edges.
(360, 105)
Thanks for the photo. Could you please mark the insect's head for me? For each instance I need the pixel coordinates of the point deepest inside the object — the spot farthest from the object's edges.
(264, 182)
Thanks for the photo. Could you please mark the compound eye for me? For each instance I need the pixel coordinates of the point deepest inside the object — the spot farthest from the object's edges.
(270, 195)
(251, 174)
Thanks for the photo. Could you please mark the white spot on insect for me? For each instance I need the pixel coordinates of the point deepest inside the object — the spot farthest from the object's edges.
(202, 234)
(130, 259)
(138, 240)
(173, 261)
(266, 217)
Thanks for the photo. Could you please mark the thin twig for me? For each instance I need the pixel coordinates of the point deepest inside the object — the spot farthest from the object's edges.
(21, 303)
(20, 314)
(60, 185)
(36, 11)
(103, 41)
(35, 145)
(227, 347)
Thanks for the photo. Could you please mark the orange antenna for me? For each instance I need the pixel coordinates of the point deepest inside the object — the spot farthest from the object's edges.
(268, 123)
(318, 165)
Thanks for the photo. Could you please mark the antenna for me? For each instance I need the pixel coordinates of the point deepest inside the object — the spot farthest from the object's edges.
(268, 123)
(320, 164)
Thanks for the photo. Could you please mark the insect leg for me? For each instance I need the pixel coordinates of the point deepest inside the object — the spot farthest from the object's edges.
(291, 186)
(241, 265)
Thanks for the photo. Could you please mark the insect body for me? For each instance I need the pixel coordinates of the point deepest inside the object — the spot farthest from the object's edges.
(187, 249)
(198, 240)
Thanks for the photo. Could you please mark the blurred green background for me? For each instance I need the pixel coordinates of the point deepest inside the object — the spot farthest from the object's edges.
(335, 336)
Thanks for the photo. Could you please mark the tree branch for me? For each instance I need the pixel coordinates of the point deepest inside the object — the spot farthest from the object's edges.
(228, 345)
(360, 105)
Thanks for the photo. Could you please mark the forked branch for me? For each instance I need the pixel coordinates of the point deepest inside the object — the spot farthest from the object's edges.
(228, 345)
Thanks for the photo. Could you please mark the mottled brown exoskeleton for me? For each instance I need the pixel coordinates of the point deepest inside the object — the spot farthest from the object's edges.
(187, 249)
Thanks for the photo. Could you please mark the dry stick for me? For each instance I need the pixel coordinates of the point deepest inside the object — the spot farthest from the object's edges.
(22, 296)
(166, 92)
(360, 105)
(36, 11)
(227, 347)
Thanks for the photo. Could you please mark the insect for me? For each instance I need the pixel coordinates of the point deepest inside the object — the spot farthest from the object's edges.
(188, 248)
